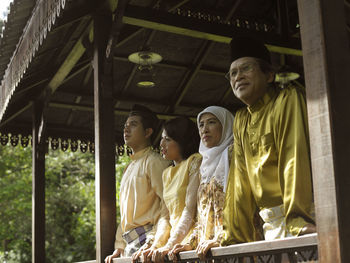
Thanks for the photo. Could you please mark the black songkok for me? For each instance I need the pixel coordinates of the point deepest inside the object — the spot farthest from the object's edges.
(248, 47)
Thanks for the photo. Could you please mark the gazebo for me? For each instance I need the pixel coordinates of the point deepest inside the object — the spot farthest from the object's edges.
(71, 70)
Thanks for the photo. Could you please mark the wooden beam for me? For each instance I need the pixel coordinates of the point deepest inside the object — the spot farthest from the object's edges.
(117, 111)
(200, 58)
(80, 68)
(78, 98)
(326, 64)
(173, 23)
(105, 191)
(74, 55)
(233, 10)
(19, 112)
(38, 193)
(179, 4)
(127, 38)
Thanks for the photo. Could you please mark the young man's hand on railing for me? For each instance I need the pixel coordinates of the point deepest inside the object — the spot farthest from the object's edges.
(117, 253)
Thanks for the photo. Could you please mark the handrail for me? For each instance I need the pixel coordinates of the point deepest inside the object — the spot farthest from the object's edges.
(286, 245)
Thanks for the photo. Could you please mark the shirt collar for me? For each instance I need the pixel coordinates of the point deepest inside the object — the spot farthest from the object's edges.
(140, 154)
(264, 100)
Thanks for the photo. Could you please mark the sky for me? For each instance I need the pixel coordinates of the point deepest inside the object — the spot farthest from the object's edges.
(3, 7)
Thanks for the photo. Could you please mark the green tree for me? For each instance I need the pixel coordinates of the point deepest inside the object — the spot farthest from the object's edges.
(15, 205)
(70, 204)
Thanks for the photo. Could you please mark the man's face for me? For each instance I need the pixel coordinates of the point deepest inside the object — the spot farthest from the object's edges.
(134, 133)
(247, 80)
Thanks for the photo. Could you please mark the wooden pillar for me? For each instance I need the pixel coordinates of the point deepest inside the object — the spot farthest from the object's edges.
(326, 55)
(104, 143)
(38, 185)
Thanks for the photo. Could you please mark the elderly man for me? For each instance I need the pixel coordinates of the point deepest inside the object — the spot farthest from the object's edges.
(141, 188)
(271, 173)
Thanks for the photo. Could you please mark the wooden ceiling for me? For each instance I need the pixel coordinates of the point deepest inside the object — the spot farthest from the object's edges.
(192, 37)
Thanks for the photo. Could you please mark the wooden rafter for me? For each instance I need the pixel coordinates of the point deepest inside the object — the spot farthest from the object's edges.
(173, 23)
(77, 99)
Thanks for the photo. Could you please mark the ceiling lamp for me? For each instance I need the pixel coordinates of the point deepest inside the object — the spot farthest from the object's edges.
(145, 59)
(146, 77)
(286, 75)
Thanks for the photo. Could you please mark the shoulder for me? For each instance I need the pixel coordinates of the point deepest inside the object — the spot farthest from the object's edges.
(290, 93)
(153, 158)
(152, 155)
(196, 157)
(195, 161)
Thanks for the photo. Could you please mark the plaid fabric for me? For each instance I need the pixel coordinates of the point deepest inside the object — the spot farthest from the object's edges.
(135, 239)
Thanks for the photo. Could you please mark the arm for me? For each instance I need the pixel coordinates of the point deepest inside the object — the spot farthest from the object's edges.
(119, 246)
(187, 217)
(161, 229)
(119, 241)
(294, 169)
(239, 208)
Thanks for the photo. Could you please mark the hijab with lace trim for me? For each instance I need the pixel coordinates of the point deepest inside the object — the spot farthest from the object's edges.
(215, 161)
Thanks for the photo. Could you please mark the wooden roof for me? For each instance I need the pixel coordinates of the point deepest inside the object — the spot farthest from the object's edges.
(192, 36)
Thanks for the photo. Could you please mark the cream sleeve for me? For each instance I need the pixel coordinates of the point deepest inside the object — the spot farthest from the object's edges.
(119, 241)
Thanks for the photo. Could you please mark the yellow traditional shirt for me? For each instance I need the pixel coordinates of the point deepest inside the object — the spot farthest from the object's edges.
(141, 192)
(271, 165)
(180, 185)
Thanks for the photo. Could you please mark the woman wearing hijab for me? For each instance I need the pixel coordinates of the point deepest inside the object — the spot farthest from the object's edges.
(215, 129)
(179, 144)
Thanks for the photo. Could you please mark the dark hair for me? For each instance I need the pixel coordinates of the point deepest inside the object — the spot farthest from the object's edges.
(148, 118)
(185, 133)
(266, 67)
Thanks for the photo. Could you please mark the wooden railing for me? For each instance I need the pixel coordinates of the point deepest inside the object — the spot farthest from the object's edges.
(289, 250)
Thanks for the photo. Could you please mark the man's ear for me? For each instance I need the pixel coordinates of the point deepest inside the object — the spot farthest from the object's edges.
(270, 77)
(148, 133)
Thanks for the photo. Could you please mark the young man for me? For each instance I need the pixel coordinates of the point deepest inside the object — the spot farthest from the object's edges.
(271, 172)
(141, 188)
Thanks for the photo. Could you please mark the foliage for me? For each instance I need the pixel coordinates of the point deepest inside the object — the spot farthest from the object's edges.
(15, 205)
(70, 204)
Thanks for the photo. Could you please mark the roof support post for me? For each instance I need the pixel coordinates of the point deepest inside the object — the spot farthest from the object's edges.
(38, 185)
(326, 63)
(105, 189)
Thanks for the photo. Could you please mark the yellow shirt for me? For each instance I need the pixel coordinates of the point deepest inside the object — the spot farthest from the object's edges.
(271, 165)
(140, 193)
(180, 185)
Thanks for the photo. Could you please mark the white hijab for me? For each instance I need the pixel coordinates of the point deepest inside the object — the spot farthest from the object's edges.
(215, 161)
